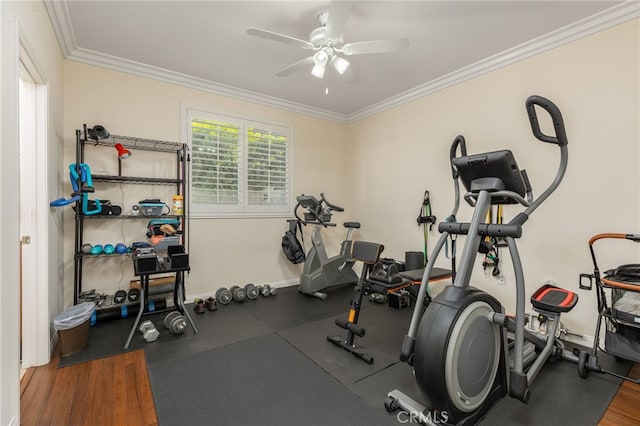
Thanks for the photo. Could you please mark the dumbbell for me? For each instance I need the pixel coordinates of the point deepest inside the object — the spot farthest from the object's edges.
(378, 298)
(238, 293)
(251, 291)
(149, 331)
(134, 295)
(266, 290)
(224, 296)
(175, 322)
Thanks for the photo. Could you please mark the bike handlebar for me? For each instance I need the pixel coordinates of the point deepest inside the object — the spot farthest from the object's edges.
(318, 210)
(331, 206)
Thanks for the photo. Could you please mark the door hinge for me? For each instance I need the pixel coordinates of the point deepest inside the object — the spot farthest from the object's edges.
(26, 239)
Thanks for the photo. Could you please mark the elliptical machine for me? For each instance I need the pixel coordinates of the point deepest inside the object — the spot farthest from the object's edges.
(320, 271)
(462, 357)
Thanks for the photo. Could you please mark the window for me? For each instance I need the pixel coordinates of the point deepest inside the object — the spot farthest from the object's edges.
(239, 167)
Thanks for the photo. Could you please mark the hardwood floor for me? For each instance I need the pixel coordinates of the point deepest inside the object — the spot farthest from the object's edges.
(625, 408)
(117, 391)
(108, 391)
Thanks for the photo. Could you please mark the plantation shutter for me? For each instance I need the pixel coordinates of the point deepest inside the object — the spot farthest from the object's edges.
(238, 166)
(216, 161)
(267, 164)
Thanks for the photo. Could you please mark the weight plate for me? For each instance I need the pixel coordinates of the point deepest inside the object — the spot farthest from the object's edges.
(134, 295)
(119, 296)
(170, 316)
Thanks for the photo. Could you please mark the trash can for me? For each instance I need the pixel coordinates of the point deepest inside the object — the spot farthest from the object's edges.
(73, 328)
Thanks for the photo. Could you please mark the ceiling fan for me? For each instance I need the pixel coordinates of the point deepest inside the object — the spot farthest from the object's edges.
(328, 45)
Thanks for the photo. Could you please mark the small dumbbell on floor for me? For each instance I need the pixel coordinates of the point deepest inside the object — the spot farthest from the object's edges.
(224, 296)
(238, 293)
(175, 322)
(251, 291)
(149, 331)
(266, 290)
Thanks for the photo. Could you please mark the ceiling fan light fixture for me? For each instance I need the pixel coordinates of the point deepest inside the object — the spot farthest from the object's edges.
(340, 64)
(318, 70)
(320, 59)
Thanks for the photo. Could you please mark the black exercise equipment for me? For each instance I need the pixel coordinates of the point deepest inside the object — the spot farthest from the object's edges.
(618, 297)
(459, 347)
(367, 253)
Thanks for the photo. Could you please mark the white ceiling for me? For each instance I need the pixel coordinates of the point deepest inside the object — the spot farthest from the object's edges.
(204, 44)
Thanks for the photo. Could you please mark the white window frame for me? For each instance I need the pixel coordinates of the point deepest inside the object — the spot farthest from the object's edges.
(243, 209)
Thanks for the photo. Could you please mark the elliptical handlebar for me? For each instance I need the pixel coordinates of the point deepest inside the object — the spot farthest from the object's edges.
(560, 137)
(457, 142)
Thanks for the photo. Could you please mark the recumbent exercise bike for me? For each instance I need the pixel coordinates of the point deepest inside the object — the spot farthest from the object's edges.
(459, 348)
(321, 271)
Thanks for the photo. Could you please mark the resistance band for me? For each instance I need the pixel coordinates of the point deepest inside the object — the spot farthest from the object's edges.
(426, 218)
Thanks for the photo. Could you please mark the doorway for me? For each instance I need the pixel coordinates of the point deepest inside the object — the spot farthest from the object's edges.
(34, 287)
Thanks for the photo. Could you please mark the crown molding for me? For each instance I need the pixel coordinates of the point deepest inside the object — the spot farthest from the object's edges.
(608, 18)
(61, 22)
(115, 63)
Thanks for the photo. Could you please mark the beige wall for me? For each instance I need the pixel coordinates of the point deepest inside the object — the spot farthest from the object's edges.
(26, 23)
(379, 167)
(223, 252)
(595, 82)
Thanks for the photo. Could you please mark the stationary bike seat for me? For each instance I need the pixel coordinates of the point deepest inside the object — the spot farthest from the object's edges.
(355, 225)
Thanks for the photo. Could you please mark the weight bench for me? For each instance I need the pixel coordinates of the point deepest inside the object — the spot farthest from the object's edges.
(393, 282)
(367, 253)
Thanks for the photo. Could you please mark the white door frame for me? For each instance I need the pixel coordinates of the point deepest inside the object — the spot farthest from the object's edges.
(34, 221)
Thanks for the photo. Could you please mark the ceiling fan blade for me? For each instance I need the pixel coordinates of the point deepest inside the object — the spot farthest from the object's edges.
(338, 13)
(300, 65)
(375, 46)
(270, 35)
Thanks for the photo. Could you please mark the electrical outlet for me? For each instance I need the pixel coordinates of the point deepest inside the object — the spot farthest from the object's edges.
(550, 281)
